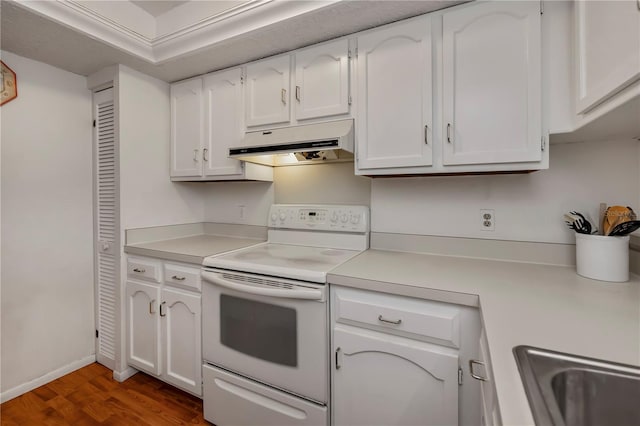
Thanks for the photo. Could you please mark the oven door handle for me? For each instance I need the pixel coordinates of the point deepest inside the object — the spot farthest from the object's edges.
(307, 294)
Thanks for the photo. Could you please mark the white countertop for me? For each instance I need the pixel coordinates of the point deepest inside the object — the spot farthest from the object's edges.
(191, 249)
(545, 306)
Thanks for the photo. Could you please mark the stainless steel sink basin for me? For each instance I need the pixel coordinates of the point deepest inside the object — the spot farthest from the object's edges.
(565, 389)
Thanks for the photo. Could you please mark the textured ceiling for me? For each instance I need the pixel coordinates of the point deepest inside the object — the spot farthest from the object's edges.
(32, 36)
(157, 8)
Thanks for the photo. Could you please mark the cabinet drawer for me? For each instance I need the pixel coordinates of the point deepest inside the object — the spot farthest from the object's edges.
(398, 315)
(142, 268)
(182, 276)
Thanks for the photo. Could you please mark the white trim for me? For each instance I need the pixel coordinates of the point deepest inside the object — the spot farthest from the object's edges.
(43, 380)
(121, 376)
(205, 32)
(66, 14)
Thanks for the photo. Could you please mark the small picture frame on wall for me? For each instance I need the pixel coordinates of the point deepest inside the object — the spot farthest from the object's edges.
(8, 84)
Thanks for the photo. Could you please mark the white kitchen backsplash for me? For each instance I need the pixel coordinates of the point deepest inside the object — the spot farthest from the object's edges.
(527, 207)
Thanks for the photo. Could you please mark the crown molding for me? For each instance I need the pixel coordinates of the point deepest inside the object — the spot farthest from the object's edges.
(207, 31)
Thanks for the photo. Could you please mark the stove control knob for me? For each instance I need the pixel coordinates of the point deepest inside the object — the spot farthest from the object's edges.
(334, 217)
(344, 218)
(274, 217)
(355, 219)
(283, 215)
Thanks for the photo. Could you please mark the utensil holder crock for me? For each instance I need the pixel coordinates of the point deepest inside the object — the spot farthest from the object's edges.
(602, 257)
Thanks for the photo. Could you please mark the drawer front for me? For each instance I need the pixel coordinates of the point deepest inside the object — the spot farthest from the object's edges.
(182, 276)
(144, 269)
(398, 315)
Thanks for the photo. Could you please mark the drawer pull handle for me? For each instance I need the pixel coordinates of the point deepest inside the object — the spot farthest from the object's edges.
(177, 278)
(396, 322)
(142, 271)
(474, 375)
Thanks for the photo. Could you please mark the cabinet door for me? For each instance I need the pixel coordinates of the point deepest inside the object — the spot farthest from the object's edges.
(492, 84)
(224, 126)
(322, 80)
(381, 379)
(186, 128)
(608, 49)
(181, 315)
(143, 326)
(267, 92)
(394, 96)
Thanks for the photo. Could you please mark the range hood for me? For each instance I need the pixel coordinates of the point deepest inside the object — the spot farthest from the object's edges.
(308, 144)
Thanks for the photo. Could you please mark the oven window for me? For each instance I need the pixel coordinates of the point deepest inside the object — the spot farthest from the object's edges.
(258, 329)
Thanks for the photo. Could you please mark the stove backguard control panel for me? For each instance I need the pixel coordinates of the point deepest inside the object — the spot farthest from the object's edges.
(322, 217)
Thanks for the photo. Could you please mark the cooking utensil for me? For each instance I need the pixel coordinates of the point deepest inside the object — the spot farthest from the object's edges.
(578, 223)
(616, 215)
(625, 228)
(603, 209)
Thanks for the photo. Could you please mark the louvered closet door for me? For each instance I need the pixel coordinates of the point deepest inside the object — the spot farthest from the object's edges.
(106, 225)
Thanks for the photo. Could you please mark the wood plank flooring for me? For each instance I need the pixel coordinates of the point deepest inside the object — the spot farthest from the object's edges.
(90, 396)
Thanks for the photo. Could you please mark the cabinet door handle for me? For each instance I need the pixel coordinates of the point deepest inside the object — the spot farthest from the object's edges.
(283, 96)
(426, 129)
(177, 278)
(396, 322)
(472, 362)
(161, 305)
(142, 271)
(298, 90)
(338, 359)
(195, 155)
(205, 155)
(449, 132)
(151, 311)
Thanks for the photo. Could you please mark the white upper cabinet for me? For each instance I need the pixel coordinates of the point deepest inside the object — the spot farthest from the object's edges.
(206, 120)
(322, 80)
(394, 112)
(492, 84)
(267, 91)
(608, 49)
(223, 127)
(186, 128)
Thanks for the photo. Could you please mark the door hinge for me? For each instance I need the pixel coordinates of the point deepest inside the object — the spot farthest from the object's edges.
(350, 100)
(541, 7)
(96, 334)
(459, 376)
(349, 54)
(94, 123)
(356, 52)
(543, 143)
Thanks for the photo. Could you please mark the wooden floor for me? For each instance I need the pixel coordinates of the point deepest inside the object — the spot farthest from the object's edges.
(90, 396)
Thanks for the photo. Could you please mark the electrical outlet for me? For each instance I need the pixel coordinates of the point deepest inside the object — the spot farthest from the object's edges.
(241, 211)
(487, 219)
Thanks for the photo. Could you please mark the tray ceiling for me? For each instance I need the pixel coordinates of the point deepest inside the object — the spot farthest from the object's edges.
(178, 39)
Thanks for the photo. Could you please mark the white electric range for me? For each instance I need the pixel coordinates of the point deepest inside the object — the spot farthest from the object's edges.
(265, 317)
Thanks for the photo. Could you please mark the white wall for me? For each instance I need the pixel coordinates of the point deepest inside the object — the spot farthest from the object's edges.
(244, 203)
(331, 183)
(527, 207)
(47, 231)
(147, 195)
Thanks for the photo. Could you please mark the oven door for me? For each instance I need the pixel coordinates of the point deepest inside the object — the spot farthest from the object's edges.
(269, 329)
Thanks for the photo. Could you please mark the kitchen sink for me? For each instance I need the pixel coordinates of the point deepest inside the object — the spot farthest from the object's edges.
(565, 389)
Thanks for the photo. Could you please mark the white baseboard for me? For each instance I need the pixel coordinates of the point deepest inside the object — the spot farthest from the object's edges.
(43, 380)
(123, 375)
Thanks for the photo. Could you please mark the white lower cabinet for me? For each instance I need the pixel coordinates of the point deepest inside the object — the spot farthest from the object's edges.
(490, 411)
(389, 380)
(164, 336)
(402, 361)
